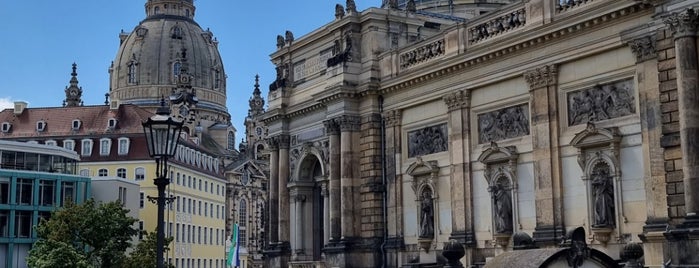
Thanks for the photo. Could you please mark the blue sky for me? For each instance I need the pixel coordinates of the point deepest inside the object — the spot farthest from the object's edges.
(39, 40)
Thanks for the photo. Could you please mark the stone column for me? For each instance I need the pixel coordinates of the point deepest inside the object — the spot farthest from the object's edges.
(684, 28)
(324, 193)
(459, 143)
(348, 126)
(332, 128)
(545, 152)
(284, 199)
(273, 191)
(392, 123)
(299, 200)
(683, 241)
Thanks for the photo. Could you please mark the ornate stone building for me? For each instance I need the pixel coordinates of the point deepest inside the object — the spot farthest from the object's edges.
(396, 129)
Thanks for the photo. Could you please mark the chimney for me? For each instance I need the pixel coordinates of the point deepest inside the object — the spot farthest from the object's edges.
(19, 107)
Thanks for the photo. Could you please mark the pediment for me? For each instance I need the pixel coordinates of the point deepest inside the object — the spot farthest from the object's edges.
(420, 168)
(595, 137)
(495, 154)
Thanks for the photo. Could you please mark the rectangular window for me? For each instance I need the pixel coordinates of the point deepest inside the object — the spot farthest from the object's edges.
(24, 192)
(205, 230)
(23, 224)
(105, 145)
(242, 237)
(69, 144)
(47, 189)
(31, 161)
(140, 230)
(178, 203)
(141, 200)
(68, 191)
(199, 235)
(206, 211)
(121, 173)
(86, 149)
(177, 232)
(4, 223)
(122, 196)
(199, 209)
(4, 190)
(103, 172)
(123, 146)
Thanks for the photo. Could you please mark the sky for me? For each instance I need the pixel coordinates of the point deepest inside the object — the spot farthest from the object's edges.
(40, 40)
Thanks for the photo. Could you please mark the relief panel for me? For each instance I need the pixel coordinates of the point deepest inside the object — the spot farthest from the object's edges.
(429, 140)
(506, 123)
(601, 102)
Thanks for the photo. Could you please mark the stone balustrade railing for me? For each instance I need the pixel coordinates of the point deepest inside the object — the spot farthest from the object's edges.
(565, 5)
(422, 54)
(498, 25)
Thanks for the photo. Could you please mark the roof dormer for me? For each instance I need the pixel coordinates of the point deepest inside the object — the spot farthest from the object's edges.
(112, 123)
(40, 125)
(6, 127)
(75, 125)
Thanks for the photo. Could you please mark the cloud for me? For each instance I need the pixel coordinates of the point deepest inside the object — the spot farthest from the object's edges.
(6, 103)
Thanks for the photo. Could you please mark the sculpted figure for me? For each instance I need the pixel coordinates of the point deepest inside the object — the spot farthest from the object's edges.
(603, 198)
(351, 6)
(426, 215)
(502, 202)
(289, 37)
(280, 41)
(339, 11)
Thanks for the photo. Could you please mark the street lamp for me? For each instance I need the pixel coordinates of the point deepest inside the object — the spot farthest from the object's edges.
(162, 135)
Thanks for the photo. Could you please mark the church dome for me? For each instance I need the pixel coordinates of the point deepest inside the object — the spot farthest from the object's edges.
(166, 44)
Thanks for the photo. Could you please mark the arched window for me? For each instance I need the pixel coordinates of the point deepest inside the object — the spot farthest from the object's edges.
(156, 10)
(217, 79)
(231, 140)
(141, 174)
(132, 73)
(176, 68)
(242, 220)
(176, 32)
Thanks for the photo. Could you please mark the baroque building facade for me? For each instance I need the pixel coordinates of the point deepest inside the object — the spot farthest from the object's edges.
(397, 129)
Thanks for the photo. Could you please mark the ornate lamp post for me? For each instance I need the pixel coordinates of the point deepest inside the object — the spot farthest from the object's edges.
(162, 135)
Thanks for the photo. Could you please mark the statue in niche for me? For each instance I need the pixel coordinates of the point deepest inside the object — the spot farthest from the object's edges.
(502, 206)
(426, 215)
(603, 190)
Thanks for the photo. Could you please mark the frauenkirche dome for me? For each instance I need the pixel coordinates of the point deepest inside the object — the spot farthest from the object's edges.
(166, 46)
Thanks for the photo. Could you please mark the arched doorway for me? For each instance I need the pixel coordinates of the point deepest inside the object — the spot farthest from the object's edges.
(310, 209)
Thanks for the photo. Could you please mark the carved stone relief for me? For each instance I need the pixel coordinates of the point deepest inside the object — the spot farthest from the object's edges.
(603, 196)
(501, 192)
(426, 214)
(601, 102)
(427, 140)
(500, 173)
(503, 124)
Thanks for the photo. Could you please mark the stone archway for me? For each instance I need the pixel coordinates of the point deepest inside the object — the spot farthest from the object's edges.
(309, 209)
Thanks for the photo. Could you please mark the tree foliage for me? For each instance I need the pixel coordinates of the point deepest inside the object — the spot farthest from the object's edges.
(143, 256)
(96, 235)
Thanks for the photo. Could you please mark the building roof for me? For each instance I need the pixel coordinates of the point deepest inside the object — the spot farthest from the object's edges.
(93, 120)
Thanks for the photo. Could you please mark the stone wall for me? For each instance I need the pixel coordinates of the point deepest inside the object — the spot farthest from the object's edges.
(670, 140)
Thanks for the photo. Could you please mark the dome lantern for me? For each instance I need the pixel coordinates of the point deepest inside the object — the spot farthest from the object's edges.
(162, 8)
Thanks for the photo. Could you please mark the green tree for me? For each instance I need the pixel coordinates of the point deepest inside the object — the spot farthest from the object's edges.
(96, 234)
(143, 256)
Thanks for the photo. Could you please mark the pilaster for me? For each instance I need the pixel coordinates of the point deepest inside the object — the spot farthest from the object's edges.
(458, 104)
(545, 153)
(284, 200)
(349, 136)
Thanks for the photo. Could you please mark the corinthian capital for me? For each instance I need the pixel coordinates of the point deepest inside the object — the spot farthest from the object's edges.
(349, 122)
(643, 48)
(683, 23)
(392, 118)
(546, 75)
(459, 99)
(331, 127)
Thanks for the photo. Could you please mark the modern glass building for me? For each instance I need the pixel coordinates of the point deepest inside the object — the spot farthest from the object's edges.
(35, 179)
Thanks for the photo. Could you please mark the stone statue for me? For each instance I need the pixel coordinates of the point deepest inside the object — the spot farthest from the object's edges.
(426, 215)
(289, 37)
(410, 6)
(502, 208)
(280, 41)
(351, 6)
(339, 11)
(393, 4)
(603, 197)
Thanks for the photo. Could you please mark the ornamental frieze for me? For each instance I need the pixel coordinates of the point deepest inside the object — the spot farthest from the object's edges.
(506, 123)
(422, 54)
(427, 140)
(601, 102)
